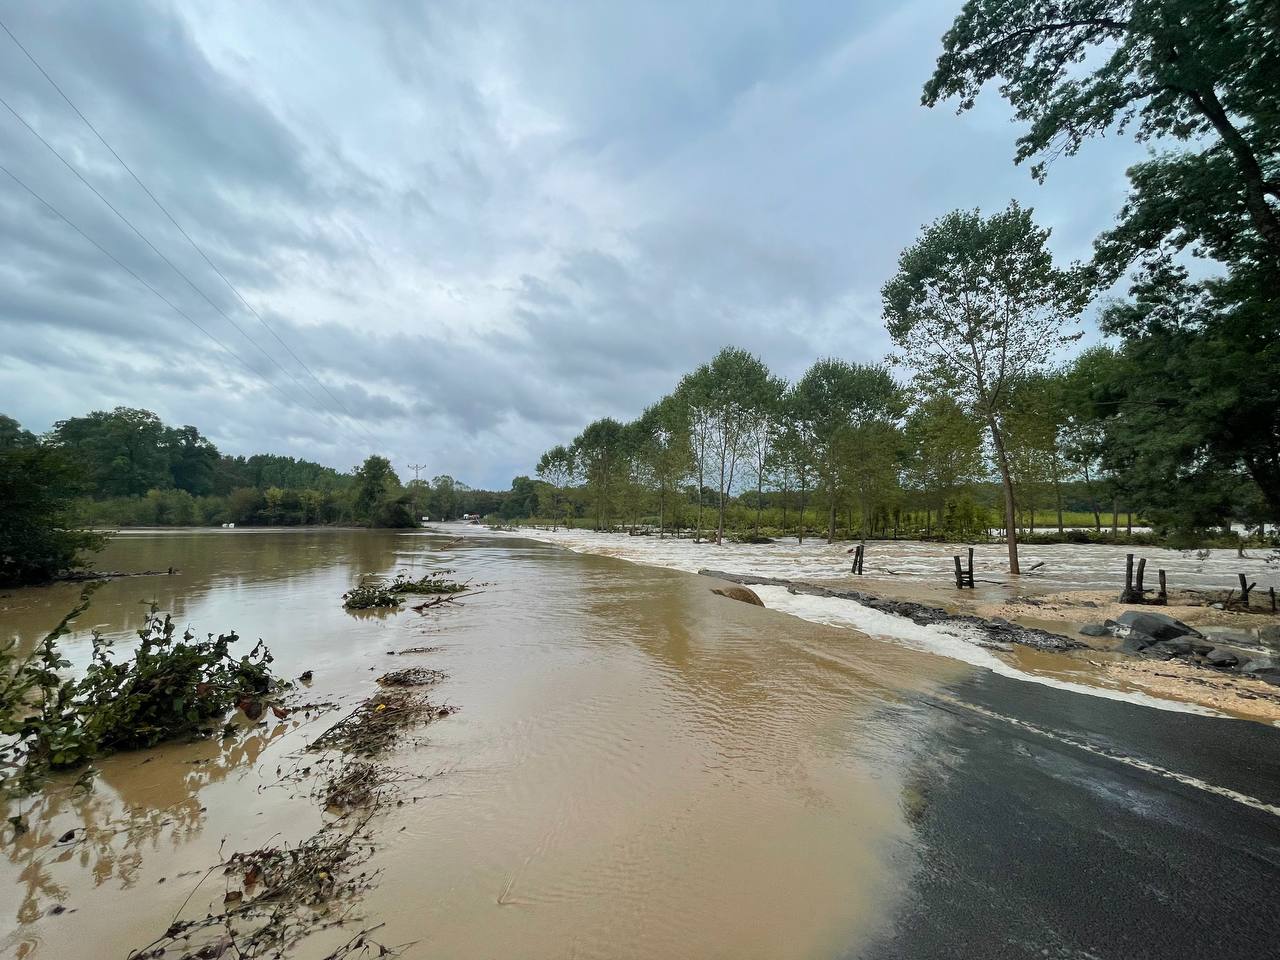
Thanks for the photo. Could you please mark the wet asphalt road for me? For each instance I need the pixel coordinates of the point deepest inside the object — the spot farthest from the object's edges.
(1029, 846)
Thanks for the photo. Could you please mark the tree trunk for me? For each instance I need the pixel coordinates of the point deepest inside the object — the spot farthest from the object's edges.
(759, 498)
(800, 526)
(1115, 515)
(1093, 500)
(831, 515)
(720, 509)
(1010, 509)
(1264, 218)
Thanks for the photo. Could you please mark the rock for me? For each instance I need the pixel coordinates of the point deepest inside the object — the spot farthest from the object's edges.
(1136, 643)
(1270, 636)
(1223, 659)
(738, 593)
(1201, 647)
(1158, 626)
(1094, 630)
(1264, 668)
(1089, 603)
(1168, 648)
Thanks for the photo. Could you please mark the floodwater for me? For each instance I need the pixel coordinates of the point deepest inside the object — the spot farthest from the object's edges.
(639, 768)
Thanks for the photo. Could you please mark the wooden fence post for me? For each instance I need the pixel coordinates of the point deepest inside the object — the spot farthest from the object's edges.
(970, 576)
(959, 573)
(1163, 596)
(1245, 587)
(1126, 595)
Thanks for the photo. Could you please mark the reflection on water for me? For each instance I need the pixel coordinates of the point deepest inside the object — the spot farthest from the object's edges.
(640, 768)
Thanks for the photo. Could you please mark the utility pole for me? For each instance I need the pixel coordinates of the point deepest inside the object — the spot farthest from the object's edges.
(415, 467)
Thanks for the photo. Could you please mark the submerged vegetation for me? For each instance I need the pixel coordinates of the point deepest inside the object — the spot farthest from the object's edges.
(168, 688)
(372, 593)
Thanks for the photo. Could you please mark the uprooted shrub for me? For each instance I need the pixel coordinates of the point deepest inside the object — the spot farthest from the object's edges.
(168, 688)
(374, 592)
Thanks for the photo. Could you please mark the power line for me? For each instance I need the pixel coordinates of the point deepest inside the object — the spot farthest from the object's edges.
(123, 266)
(165, 211)
(141, 236)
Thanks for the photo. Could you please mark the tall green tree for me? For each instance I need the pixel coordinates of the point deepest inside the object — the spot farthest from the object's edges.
(831, 402)
(124, 452)
(193, 459)
(599, 450)
(12, 434)
(725, 397)
(556, 468)
(943, 445)
(375, 483)
(1202, 72)
(39, 538)
(976, 304)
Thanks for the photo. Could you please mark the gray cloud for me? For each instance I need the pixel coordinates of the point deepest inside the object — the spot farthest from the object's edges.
(481, 225)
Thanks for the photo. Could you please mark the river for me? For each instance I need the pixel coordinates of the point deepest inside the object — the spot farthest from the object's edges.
(640, 768)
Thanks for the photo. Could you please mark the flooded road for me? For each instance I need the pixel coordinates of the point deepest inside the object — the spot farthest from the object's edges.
(640, 768)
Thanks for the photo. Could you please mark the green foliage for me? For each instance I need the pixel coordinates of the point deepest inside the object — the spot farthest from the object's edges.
(1203, 72)
(373, 593)
(124, 452)
(38, 535)
(166, 689)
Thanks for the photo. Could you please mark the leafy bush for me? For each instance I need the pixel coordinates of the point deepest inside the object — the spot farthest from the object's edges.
(38, 539)
(167, 689)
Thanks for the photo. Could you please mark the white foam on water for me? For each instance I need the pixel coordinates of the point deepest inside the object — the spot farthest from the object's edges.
(1065, 566)
(956, 641)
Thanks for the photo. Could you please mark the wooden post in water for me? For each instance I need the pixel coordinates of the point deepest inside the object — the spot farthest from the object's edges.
(1272, 592)
(959, 573)
(970, 577)
(1126, 595)
(1141, 594)
(1163, 595)
(859, 555)
(1245, 587)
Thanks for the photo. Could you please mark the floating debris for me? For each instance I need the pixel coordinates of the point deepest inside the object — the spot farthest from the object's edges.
(411, 677)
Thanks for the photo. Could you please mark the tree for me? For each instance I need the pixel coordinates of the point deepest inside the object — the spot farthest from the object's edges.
(376, 481)
(598, 451)
(832, 400)
(556, 468)
(124, 451)
(1204, 72)
(666, 450)
(1190, 400)
(976, 304)
(192, 460)
(12, 434)
(725, 396)
(38, 535)
(943, 451)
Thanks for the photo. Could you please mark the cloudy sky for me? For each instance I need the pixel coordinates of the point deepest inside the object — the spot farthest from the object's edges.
(479, 225)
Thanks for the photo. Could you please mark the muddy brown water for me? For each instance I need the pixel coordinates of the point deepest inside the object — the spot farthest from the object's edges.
(639, 768)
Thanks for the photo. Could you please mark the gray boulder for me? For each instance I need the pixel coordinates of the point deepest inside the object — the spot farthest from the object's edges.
(1137, 642)
(1168, 648)
(1264, 668)
(1158, 626)
(1224, 659)
(1094, 630)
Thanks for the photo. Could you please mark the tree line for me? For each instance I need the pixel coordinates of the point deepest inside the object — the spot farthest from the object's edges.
(125, 467)
(1177, 415)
